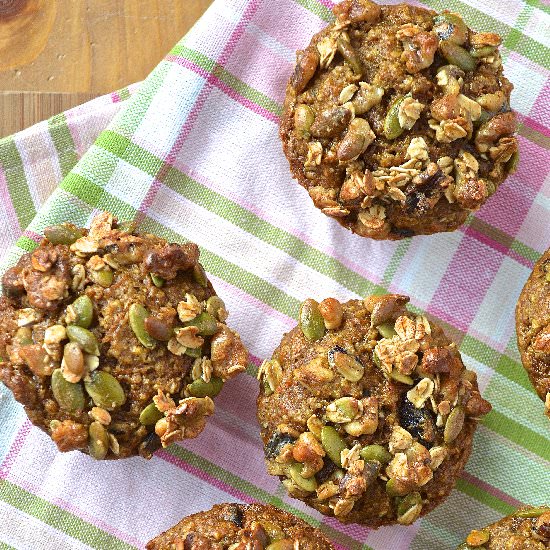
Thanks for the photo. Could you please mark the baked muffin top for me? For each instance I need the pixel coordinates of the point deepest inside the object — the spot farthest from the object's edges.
(397, 120)
(115, 342)
(367, 412)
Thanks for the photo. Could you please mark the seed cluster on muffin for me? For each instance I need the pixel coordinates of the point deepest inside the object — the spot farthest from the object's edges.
(367, 412)
(115, 342)
(241, 527)
(397, 120)
(526, 529)
(533, 327)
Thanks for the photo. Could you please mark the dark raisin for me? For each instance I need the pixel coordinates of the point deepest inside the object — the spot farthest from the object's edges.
(277, 441)
(235, 515)
(420, 423)
(149, 445)
(326, 471)
(403, 232)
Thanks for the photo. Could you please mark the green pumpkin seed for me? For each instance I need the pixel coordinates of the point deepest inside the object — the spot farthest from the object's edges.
(386, 330)
(513, 162)
(454, 424)
(193, 352)
(83, 310)
(311, 320)
(98, 444)
(333, 444)
(137, 315)
(484, 51)
(303, 119)
(347, 365)
(465, 546)
(150, 415)
(406, 503)
(532, 512)
(105, 390)
(62, 234)
(393, 490)
(295, 470)
(274, 532)
(70, 397)
(375, 452)
(103, 277)
(403, 378)
(344, 46)
(158, 281)
(478, 537)
(456, 55)
(23, 336)
(127, 226)
(213, 305)
(392, 128)
(409, 508)
(200, 388)
(284, 544)
(200, 275)
(83, 337)
(455, 31)
(205, 322)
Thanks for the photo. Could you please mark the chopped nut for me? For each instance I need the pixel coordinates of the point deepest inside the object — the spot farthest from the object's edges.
(54, 334)
(417, 149)
(189, 308)
(367, 97)
(409, 112)
(314, 154)
(272, 373)
(27, 316)
(347, 93)
(470, 107)
(438, 455)
(163, 402)
(451, 79)
(400, 440)
(421, 392)
(84, 246)
(327, 48)
(314, 425)
(332, 312)
(100, 415)
(189, 337)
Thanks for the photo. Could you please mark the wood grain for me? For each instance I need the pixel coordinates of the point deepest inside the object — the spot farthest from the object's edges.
(63, 52)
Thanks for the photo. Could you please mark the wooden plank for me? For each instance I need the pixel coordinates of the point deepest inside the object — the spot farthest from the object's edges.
(81, 49)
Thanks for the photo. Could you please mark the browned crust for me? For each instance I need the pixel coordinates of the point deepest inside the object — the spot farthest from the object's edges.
(293, 403)
(533, 326)
(402, 220)
(225, 524)
(140, 371)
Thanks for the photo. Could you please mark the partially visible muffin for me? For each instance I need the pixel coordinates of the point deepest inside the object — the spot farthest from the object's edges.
(526, 529)
(241, 527)
(367, 412)
(115, 342)
(533, 328)
(397, 120)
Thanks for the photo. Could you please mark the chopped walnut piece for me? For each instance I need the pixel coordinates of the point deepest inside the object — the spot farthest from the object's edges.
(419, 47)
(189, 308)
(227, 353)
(409, 112)
(367, 97)
(314, 154)
(69, 435)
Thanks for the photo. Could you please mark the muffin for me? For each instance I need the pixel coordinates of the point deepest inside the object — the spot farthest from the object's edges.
(367, 412)
(397, 120)
(240, 527)
(533, 328)
(115, 342)
(526, 529)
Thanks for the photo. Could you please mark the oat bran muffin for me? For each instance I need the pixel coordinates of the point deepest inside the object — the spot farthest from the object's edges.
(397, 120)
(115, 342)
(241, 527)
(526, 529)
(367, 412)
(533, 328)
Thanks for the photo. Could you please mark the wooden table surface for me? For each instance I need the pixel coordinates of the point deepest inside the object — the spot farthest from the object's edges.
(55, 54)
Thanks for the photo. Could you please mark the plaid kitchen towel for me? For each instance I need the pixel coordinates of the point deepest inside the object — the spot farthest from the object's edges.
(194, 154)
